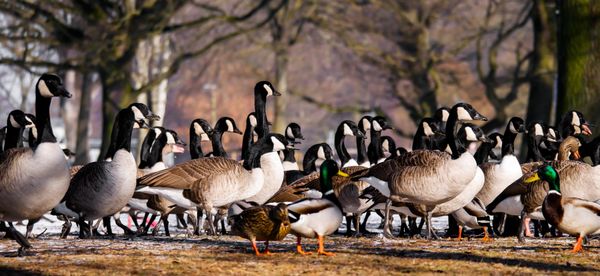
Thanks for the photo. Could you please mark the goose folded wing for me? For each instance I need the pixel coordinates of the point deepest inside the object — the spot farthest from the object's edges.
(184, 175)
(476, 208)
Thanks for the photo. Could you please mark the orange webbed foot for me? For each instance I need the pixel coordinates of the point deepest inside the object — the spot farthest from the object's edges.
(301, 251)
(579, 245)
(323, 252)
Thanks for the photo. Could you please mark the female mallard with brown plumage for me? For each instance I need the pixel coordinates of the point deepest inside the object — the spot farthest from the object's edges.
(262, 223)
(569, 214)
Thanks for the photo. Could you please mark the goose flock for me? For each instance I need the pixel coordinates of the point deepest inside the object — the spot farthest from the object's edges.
(454, 169)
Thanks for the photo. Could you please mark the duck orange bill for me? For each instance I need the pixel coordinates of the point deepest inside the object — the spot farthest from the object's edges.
(343, 174)
(534, 177)
(577, 155)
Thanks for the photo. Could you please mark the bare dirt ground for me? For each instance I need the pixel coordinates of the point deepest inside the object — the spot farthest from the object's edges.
(232, 255)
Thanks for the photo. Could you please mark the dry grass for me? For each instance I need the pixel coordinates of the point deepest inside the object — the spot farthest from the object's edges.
(232, 255)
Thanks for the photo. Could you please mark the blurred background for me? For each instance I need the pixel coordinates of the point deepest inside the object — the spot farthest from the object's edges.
(332, 60)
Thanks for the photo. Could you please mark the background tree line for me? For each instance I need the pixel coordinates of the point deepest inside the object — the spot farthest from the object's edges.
(332, 59)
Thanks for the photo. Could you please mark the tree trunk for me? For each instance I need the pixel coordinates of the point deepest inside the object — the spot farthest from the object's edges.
(281, 62)
(82, 148)
(541, 83)
(578, 57)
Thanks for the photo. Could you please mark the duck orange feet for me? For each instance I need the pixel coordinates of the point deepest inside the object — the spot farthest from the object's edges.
(579, 245)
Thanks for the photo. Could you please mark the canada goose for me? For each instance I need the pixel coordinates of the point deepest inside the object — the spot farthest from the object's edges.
(362, 158)
(536, 133)
(249, 135)
(410, 176)
(262, 223)
(378, 124)
(200, 131)
(100, 189)
(486, 149)
(17, 121)
(224, 124)
(290, 167)
(466, 135)
(413, 177)
(317, 217)
(570, 215)
(147, 144)
(573, 123)
(34, 180)
(262, 89)
(425, 136)
(315, 155)
(218, 181)
(441, 117)
(499, 175)
(388, 147)
(2, 138)
(346, 128)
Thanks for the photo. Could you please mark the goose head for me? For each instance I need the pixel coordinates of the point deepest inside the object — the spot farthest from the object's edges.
(293, 132)
(379, 123)
(226, 124)
(315, 155)
(202, 129)
(466, 112)
(18, 119)
(364, 124)
(51, 85)
(574, 123)
(388, 145)
(174, 143)
(265, 88)
(400, 151)
(328, 169)
(468, 134)
(428, 126)
(349, 128)
(516, 125)
(496, 139)
(252, 122)
(140, 113)
(441, 115)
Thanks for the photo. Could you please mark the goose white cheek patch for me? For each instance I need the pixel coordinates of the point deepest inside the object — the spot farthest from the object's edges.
(269, 90)
(289, 133)
(470, 134)
(463, 115)
(321, 153)
(137, 113)
(427, 129)
(277, 145)
(347, 130)
(229, 126)
(44, 90)
(575, 120)
(13, 122)
(366, 124)
(253, 121)
(376, 126)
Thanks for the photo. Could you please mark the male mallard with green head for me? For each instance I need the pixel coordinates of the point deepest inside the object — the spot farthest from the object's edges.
(318, 217)
(570, 215)
(262, 223)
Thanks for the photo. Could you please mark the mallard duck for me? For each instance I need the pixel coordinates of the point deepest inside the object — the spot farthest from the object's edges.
(262, 223)
(570, 214)
(318, 217)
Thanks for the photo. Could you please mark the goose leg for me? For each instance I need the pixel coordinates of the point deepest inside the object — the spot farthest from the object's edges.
(165, 220)
(348, 225)
(66, 229)
(521, 231)
(18, 237)
(430, 231)
(356, 218)
(143, 224)
(363, 226)
(199, 222)
(211, 218)
(30, 224)
(386, 226)
(181, 221)
(106, 222)
(119, 223)
(84, 228)
(299, 247)
(133, 216)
